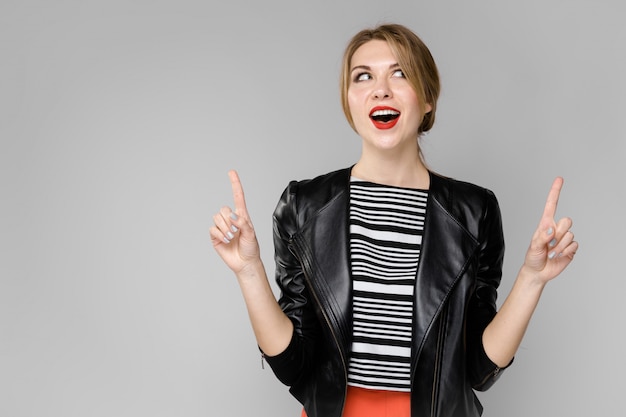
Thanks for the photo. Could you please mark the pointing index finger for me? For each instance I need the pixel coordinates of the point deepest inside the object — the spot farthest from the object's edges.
(238, 196)
(553, 199)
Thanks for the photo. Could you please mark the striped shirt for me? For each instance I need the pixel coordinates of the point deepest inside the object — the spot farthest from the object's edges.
(386, 227)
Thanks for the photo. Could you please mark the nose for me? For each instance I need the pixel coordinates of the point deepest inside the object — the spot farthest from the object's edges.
(381, 89)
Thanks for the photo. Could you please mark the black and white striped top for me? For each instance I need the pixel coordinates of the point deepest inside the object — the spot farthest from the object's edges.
(386, 226)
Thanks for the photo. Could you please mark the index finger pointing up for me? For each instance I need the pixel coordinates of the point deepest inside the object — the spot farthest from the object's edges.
(238, 196)
(553, 199)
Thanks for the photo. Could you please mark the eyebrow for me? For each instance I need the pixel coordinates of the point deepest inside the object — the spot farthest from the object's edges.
(368, 68)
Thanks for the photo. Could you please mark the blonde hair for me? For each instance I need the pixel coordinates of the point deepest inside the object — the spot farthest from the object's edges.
(414, 59)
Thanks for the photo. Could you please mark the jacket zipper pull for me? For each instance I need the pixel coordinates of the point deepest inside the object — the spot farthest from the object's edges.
(262, 361)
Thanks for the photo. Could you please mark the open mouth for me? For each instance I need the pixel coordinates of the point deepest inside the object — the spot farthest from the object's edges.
(384, 117)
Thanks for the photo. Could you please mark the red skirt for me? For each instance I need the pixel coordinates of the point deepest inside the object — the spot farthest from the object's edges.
(363, 402)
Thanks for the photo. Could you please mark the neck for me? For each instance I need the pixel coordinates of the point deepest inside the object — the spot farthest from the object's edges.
(403, 171)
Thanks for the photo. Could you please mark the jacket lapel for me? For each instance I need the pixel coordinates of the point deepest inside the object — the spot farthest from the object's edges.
(447, 248)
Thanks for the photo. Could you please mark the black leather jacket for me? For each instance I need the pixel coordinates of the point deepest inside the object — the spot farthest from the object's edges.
(455, 295)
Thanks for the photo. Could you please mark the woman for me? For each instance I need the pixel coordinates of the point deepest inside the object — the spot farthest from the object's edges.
(388, 272)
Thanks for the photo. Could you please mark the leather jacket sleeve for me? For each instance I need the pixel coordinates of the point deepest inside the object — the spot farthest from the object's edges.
(293, 363)
(482, 305)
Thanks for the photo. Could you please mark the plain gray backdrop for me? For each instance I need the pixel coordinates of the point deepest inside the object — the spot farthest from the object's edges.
(120, 119)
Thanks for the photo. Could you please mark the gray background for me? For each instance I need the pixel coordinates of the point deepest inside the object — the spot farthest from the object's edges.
(119, 122)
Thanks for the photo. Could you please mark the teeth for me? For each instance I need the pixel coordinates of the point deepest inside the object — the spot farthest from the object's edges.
(386, 112)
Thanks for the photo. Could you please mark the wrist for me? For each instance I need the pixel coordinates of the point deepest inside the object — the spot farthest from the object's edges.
(251, 269)
(530, 278)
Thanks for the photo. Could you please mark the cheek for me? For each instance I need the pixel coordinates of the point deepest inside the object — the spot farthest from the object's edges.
(357, 113)
(353, 105)
(412, 99)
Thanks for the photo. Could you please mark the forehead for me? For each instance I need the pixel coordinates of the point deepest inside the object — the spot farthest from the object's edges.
(374, 52)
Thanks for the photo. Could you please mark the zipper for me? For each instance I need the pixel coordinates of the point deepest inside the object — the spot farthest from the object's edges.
(491, 374)
(293, 243)
(438, 358)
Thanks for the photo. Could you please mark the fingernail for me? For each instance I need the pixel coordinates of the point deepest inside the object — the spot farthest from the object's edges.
(552, 243)
(234, 228)
(233, 215)
(551, 255)
(230, 235)
(550, 231)
(226, 240)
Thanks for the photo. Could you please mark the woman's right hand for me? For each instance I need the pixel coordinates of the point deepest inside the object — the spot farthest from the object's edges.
(232, 234)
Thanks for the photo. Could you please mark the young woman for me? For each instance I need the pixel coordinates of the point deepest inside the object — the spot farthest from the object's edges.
(388, 272)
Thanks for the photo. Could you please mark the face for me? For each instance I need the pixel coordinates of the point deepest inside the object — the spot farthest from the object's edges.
(384, 107)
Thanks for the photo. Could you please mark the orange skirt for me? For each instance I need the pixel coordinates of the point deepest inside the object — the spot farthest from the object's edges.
(363, 402)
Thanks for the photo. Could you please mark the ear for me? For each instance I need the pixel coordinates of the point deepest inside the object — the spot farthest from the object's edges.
(428, 108)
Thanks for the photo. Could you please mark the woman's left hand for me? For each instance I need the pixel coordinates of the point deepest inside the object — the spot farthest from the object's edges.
(552, 247)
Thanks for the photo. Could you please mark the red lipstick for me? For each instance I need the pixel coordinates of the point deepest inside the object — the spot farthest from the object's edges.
(384, 117)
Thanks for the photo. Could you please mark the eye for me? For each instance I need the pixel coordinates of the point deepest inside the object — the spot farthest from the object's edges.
(398, 73)
(363, 76)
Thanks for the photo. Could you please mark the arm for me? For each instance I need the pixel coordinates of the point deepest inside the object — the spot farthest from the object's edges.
(551, 250)
(297, 360)
(235, 241)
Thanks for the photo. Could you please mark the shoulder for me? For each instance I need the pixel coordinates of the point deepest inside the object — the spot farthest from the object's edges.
(468, 203)
(450, 192)
(321, 189)
(330, 182)
(302, 199)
